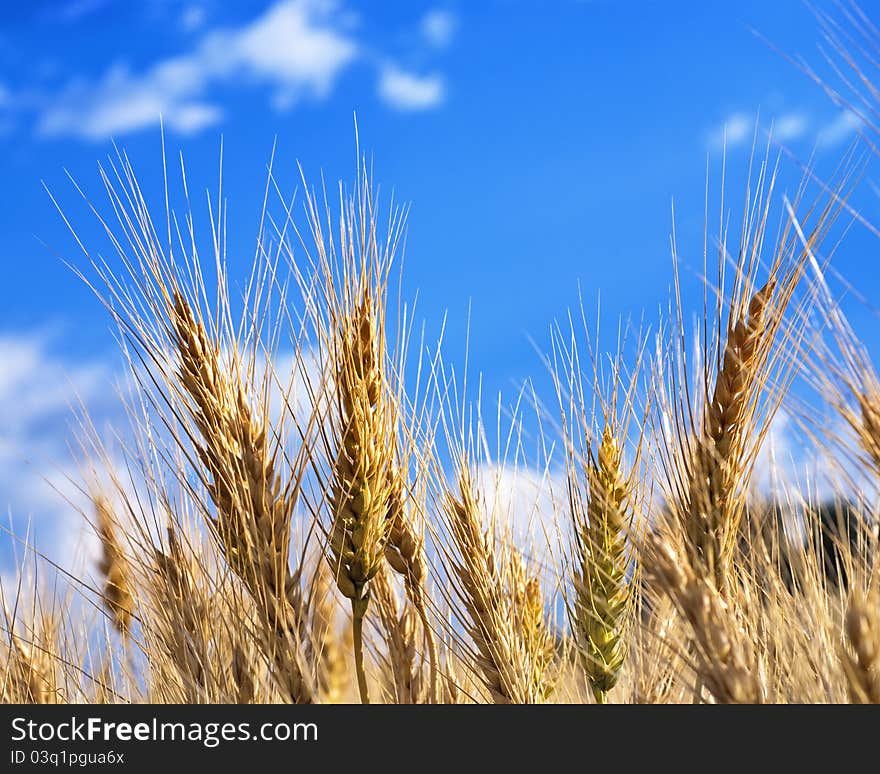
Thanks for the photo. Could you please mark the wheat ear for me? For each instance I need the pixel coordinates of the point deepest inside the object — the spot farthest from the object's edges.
(726, 661)
(363, 469)
(710, 520)
(530, 623)
(602, 592)
(29, 676)
(476, 573)
(329, 650)
(184, 613)
(254, 507)
(503, 605)
(114, 567)
(863, 633)
(405, 553)
(400, 627)
(869, 429)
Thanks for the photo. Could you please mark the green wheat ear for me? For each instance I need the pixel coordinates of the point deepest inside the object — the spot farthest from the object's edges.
(602, 594)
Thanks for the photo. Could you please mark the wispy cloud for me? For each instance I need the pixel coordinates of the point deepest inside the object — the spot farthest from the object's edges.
(790, 127)
(193, 18)
(122, 102)
(296, 47)
(407, 91)
(840, 129)
(796, 467)
(438, 27)
(736, 129)
(739, 129)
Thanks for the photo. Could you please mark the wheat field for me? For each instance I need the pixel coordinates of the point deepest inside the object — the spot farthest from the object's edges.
(309, 503)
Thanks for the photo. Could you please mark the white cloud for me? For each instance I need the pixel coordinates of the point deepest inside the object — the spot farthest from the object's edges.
(121, 102)
(38, 469)
(736, 129)
(840, 129)
(739, 129)
(780, 459)
(797, 467)
(191, 118)
(193, 18)
(789, 127)
(406, 91)
(526, 502)
(438, 27)
(298, 49)
(295, 46)
(522, 499)
(43, 468)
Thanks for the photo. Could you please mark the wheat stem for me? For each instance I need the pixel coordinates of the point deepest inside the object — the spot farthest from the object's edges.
(358, 610)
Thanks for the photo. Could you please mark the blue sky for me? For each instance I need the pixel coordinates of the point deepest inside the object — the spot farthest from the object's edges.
(541, 145)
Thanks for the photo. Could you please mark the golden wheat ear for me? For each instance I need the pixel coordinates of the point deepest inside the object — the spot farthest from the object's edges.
(862, 665)
(713, 412)
(726, 660)
(29, 678)
(180, 625)
(253, 505)
(400, 627)
(501, 602)
(841, 370)
(405, 554)
(359, 483)
(117, 592)
(475, 573)
(207, 642)
(360, 494)
(206, 391)
(712, 514)
(330, 649)
(32, 661)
